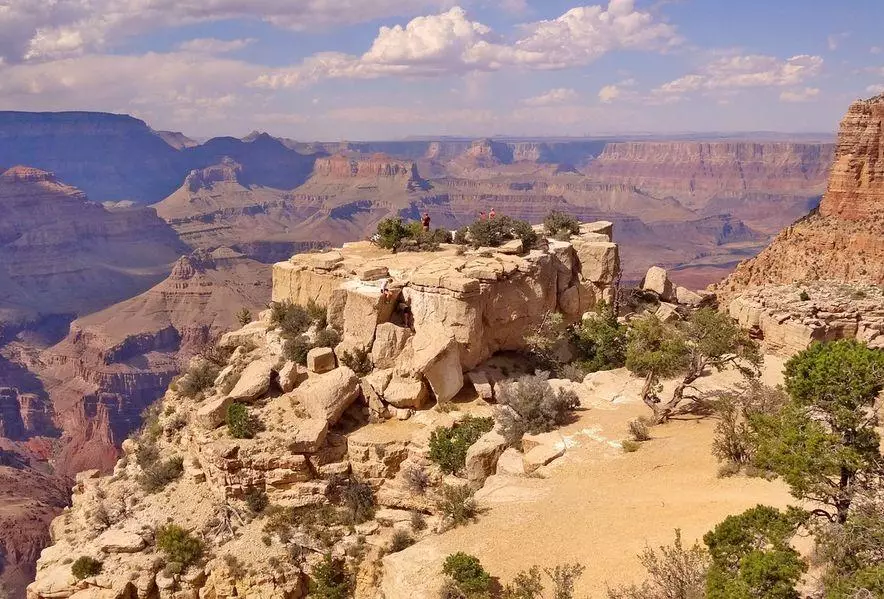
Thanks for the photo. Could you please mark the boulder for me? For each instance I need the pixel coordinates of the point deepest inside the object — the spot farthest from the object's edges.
(541, 455)
(327, 396)
(365, 308)
(389, 341)
(308, 435)
(118, 541)
(372, 273)
(569, 301)
(510, 463)
(326, 261)
(514, 247)
(250, 333)
(657, 280)
(406, 392)
(686, 297)
(213, 412)
(599, 260)
(254, 381)
(602, 227)
(321, 360)
(482, 384)
(482, 456)
(291, 375)
(438, 359)
(668, 312)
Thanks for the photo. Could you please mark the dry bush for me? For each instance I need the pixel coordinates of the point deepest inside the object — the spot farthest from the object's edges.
(675, 572)
(533, 407)
(456, 502)
(416, 479)
(639, 430)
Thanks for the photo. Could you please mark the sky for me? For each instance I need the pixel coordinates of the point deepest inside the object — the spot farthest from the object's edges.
(387, 69)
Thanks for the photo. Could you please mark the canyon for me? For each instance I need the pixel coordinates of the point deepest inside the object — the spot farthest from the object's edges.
(125, 251)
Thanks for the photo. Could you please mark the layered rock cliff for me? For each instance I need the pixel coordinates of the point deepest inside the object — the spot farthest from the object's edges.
(844, 240)
(61, 254)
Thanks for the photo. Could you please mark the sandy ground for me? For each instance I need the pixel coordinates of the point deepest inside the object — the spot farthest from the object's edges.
(598, 505)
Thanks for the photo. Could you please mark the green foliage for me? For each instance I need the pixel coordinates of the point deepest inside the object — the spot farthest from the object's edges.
(534, 407)
(401, 540)
(739, 412)
(468, 574)
(823, 443)
(297, 349)
(391, 232)
(448, 446)
(674, 572)
(804, 297)
(358, 360)
(357, 498)
(630, 446)
(244, 317)
(854, 551)
(526, 585)
(656, 348)
(394, 234)
(751, 556)
(318, 314)
(327, 337)
(240, 424)
(257, 500)
(542, 344)
(330, 580)
(200, 377)
(494, 232)
(461, 236)
(456, 502)
(564, 577)
(178, 544)
(601, 341)
(557, 222)
(292, 320)
(85, 567)
(161, 473)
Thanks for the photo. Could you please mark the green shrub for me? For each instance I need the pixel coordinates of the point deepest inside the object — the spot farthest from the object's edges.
(85, 567)
(461, 236)
(318, 314)
(391, 232)
(161, 473)
(534, 407)
(456, 502)
(358, 360)
(257, 500)
(803, 296)
(418, 522)
(244, 317)
(178, 545)
(630, 446)
(468, 574)
(448, 446)
(330, 580)
(327, 337)
(639, 430)
(675, 572)
(526, 585)
(494, 232)
(557, 222)
(564, 577)
(297, 349)
(292, 320)
(401, 540)
(199, 378)
(240, 424)
(600, 341)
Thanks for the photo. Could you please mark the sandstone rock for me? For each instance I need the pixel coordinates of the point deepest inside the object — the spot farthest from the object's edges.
(320, 360)
(327, 396)
(291, 375)
(686, 297)
(308, 436)
(438, 359)
(667, 312)
(325, 261)
(375, 456)
(254, 382)
(213, 412)
(602, 227)
(510, 463)
(406, 392)
(552, 439)
(512, 247)
(482, 384)
(599, 261)
(389, 342)
(86, 475)
(248, 334)
(657, 280)
(372, 272)
(364, 310)
(541, 456)
(482, 457)
(569, 301)
(118, 541)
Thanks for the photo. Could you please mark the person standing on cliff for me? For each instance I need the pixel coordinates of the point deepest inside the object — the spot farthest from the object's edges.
(492, 214)
(482, 215)
(425, 221)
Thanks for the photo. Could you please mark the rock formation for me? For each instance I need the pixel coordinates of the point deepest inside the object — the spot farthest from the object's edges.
(61, 254)
(844, 240)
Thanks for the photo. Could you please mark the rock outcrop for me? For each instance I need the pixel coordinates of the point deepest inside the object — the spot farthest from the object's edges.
(844, 240)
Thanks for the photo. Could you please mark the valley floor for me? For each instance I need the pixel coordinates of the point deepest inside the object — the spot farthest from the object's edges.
(596, 505)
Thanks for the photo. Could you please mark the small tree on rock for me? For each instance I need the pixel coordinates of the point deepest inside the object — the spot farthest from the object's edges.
(657, 350)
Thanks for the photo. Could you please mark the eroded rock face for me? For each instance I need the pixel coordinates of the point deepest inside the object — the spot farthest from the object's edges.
(845, 240)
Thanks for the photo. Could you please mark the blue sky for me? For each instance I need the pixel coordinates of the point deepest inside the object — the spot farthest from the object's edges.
(385, 69)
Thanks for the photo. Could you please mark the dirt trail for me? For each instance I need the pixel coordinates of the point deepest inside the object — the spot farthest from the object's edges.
(597, 505)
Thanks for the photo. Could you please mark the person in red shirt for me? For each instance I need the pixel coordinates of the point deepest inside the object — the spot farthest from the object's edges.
(482, 215)
(492, 214)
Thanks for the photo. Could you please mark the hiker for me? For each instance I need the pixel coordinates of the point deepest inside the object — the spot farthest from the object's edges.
(425, 221)
(482, 215)
(386, 292)
(492, 214)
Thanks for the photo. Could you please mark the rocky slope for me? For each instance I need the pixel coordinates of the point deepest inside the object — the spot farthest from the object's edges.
(844, 240)
(62, 254)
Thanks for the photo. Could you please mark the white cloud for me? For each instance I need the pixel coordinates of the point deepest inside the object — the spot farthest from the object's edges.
(559, 95)
(799, 95)
(834, 40)
(740, 72)
(210, 45)
(875, 89)
(609, 93)
(47, 29)
(451, 43)
(876, 49)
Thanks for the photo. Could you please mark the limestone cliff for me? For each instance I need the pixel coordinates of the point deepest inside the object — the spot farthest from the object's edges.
(844, 240)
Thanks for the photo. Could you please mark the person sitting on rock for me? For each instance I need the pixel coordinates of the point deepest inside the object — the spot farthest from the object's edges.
(425, 221)
(386, 292)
